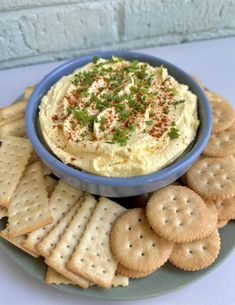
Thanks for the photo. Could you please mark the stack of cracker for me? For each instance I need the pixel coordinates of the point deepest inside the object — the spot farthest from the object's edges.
(90, 241)
(186, 217)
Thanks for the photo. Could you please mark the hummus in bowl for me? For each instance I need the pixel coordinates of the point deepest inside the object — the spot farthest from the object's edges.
(118, 118)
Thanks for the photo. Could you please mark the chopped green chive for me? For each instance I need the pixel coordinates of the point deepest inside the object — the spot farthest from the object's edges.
(132, 127)
(178, 102)
(174, 133)
(149, 123)
(95, 59)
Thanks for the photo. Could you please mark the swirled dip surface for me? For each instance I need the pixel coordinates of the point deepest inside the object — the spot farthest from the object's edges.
(118, 118)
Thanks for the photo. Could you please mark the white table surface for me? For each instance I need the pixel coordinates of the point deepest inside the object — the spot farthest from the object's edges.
(214, 63)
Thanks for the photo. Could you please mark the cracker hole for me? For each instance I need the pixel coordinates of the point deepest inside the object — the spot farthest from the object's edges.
(130, 245)
(177, 210)
(68, 246)
(81, 259)
(153, 245)
(142, 254)
(97, 254)
(190, 251)
(52, 245)
(164, 208)
(139, 219)
(141, 236)
(93, 266)
(192, 213)
(166, 220)
(203, 248)
(129, 228)
(104, 271)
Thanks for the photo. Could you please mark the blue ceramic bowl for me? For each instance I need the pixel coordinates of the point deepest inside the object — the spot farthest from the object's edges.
(118, 187)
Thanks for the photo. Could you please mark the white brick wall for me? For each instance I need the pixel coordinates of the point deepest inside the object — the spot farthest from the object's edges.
(34, 31)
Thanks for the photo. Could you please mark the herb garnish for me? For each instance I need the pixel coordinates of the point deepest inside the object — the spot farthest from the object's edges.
(127, 89)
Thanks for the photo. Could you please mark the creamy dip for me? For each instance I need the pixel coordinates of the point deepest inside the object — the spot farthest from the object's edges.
(118, 118)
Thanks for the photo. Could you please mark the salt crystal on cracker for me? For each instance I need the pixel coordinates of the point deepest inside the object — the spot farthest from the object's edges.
(29, 208)
(14, 155)
(63, 197)
(93, 258)
(68, 241)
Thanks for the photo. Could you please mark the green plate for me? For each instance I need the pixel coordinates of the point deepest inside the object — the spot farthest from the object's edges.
(165, 280)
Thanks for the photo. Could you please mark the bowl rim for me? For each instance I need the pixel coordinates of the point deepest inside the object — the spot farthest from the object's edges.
(48, 81)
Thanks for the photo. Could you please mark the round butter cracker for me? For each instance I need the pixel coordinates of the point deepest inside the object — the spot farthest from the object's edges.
(213, 178)
(196, 255)
(225, 208)
(221, 224)
(135, 245)
(222, 116)
(221, 144)
(131, 273)
(179, 215)
(215, 97)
